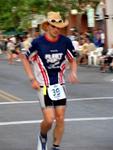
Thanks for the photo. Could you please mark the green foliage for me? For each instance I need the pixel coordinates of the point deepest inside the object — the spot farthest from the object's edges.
(18, 13)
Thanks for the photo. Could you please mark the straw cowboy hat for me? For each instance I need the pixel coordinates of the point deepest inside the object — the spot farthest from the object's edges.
(55, 19)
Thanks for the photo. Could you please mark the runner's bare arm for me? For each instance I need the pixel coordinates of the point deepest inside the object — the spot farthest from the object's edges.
(73, 72)
(28, 70)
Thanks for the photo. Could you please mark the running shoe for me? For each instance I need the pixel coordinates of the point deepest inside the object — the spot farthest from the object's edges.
(42, 143)
(55, 148)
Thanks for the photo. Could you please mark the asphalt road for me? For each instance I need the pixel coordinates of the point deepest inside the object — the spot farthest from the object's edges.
(89, 115)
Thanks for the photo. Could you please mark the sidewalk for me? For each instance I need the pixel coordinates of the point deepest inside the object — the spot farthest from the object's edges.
(3, 57)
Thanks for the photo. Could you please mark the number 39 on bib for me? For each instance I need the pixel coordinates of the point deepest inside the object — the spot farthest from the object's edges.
(56, 92)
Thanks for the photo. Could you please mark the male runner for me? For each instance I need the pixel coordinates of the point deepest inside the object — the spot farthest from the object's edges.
(48, 54)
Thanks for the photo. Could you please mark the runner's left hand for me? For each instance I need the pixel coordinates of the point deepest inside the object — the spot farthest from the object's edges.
(72, 78)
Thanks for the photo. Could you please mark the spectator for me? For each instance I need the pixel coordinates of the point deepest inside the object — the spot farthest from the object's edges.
(97, 40)
(10, 50)
(83, 58)
(106, 61)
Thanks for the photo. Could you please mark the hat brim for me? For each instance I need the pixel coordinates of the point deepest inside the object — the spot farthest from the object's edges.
(60, 25)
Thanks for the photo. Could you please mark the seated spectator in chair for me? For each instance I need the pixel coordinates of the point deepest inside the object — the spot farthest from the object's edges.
(83, 58)
(97, 40)
(91, 45)
(106, 60)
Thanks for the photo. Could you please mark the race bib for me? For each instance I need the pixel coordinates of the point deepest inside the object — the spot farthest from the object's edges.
(56, 92)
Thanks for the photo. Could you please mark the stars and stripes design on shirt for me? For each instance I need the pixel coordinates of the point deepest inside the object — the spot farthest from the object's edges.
(48, 59)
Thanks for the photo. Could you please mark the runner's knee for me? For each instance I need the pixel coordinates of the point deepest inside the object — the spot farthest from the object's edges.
(60, 119)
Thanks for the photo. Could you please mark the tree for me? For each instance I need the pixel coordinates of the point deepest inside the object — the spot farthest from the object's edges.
(18, 13)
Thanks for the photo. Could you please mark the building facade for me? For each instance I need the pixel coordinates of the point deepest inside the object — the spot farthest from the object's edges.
(109, 22)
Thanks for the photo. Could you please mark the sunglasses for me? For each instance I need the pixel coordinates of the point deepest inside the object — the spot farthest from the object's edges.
(56, 21)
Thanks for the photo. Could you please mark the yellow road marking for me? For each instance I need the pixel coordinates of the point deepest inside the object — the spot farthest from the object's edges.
(8, 96)
(5, 98)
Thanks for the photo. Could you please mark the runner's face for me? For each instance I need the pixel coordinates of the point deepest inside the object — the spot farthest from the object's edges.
(53, 31)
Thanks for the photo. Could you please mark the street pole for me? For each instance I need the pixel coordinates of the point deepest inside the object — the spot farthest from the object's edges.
(109, 22)
(105, 26)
